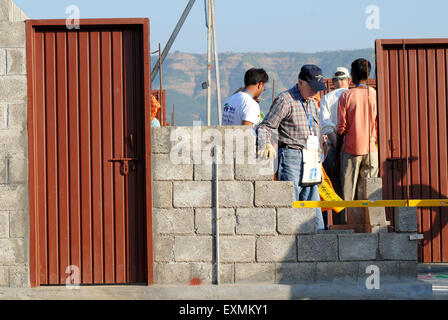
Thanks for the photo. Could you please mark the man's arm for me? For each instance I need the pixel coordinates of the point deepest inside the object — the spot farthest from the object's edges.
(278, 111)
(247, 123)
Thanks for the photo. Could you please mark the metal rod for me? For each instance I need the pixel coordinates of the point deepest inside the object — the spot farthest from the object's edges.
(162, 116)
(170, 42)
(215, 163)
(172, 117)
(406, 106)
(209, 62)
(215, 47)
(273, 90)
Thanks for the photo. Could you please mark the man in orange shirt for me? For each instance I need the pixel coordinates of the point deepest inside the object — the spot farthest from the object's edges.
(357, 112)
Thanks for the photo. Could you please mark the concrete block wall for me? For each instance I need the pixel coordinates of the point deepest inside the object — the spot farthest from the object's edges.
(262, 238)
(13, 148)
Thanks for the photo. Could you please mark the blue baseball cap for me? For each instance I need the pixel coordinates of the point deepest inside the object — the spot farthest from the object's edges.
(312, 74)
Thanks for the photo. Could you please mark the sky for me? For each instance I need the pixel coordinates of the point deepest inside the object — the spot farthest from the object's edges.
(267, 25)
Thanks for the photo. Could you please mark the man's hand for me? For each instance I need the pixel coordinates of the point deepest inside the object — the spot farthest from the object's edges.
(267, 152)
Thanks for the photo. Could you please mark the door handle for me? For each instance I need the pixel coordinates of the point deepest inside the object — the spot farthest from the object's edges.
(124, 164)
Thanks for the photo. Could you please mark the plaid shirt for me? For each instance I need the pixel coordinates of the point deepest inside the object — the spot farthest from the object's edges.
(288, 116)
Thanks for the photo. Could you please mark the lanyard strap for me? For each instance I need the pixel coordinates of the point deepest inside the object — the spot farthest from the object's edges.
(245, 90)
(309, 118)
(361, 85)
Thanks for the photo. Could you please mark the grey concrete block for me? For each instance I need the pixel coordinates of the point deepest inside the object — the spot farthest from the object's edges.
(18, 170)
(274, 194)
(4, 10)
(173, 221)
(204, 223)
(387, 269)
(252, 168)
(202, 273)
(276, 249)
(358, 246)
(172, 273)
(193, 248)
(3, 170)
(296, 221)
(4, 276)
(226, 273)
(12, 251)
(16, 61)
(162, 194)
(405, 219)
(18, 277)
(12, 35)
(292, 272)
(236, 194)
(377, 216)
(17, 116)
(254, 272)
(163, 249)
(165, 169)
(319, 247)
(397, 246)
(206, 172)
(188, 194)
(13, 197)
(160, 140)
(4, 224)
(13, 88)
(236, 249)
(18, 224)
(337, 271)
(373, 188)
(408, 269)
(255, 221)
(2, 61)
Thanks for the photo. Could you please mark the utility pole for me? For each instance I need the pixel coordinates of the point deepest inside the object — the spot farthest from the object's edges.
(215, 47)
(209, 61)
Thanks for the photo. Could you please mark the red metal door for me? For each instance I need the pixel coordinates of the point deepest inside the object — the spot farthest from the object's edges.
(412, 108)
(87, 151)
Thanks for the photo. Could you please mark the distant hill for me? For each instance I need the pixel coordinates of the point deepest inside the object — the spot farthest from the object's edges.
(183, 74)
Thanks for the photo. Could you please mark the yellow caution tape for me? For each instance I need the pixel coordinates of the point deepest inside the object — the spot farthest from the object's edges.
(372, 203)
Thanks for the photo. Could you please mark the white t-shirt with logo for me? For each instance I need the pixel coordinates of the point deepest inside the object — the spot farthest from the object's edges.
(238, 108)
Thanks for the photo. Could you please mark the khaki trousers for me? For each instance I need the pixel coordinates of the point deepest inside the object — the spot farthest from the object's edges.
(354, 170)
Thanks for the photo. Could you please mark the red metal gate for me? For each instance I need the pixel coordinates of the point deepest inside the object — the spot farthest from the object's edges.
(412, 78)
(89, 95)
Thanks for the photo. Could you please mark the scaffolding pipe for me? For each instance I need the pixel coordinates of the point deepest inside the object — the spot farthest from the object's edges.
(215, 47)
(209, 62)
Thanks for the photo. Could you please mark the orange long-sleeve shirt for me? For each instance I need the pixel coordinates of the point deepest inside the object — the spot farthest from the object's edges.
(353, 120)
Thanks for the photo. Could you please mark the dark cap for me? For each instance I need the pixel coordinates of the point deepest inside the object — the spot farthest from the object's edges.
(312, 74)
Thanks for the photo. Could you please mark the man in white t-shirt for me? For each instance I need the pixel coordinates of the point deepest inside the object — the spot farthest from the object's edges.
(242, 107)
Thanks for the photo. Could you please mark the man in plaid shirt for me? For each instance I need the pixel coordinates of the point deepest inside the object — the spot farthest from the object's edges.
(296, 116)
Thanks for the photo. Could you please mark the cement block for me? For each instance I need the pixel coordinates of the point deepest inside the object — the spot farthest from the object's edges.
(17, 116)
(408, 269)
(12, 251)
(13, 88)
(296, 221)
(397, 246)
(373, 189)
(337, 271)
(18, 226)
(276, 249)
(318, 247)
(204, 223)
(3, 170)
(13, 197)
(387, 269)
(163, 249)
(291, 272)
(16, 61)
(3, 114)
(377, 216)
(4, 276)
(162, 194)
(405, 219)
(18, 170)
(274, 194)
(236, 249)
(4, 224)
(255, 221)
(4, 10)
(253, 168)
(173, 221)
(206, 172)
(254, 272)
(193, 248)
(160, 140)
(2, 61)
(188, 194)
(226, 273)
(176, 273)
(358, 246)
(202, 273)
(165, 169)
(18, 277)
(236, 194)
